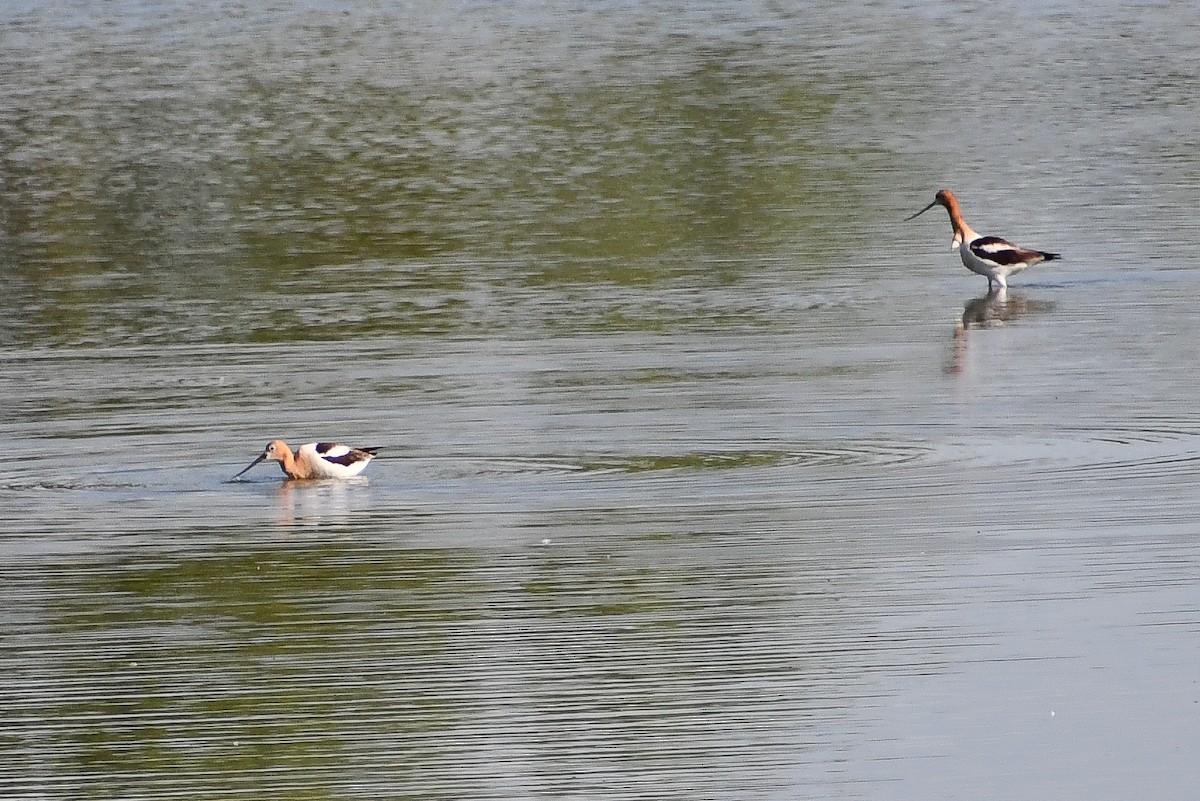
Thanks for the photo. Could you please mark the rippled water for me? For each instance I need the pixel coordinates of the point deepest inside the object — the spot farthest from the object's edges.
(703, 476)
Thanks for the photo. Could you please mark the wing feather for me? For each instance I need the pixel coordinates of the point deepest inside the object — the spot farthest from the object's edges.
(1001, 251)
(343, 454)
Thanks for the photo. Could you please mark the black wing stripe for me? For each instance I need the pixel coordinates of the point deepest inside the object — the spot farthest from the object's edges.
(999, 251)
(352, 456)
(346, 459)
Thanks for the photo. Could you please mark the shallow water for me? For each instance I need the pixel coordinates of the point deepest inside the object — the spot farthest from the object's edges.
(702, 475)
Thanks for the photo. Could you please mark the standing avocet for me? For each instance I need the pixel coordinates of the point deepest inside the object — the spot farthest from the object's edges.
(990, 256)
(316, 459)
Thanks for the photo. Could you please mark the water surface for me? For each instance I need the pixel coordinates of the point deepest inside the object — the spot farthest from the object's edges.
(703, 475)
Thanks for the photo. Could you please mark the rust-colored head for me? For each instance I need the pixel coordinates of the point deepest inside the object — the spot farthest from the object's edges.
(947, 200)
(276, 451)
(944, 198)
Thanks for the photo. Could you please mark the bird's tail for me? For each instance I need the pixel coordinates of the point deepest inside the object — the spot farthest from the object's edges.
(1051, 256)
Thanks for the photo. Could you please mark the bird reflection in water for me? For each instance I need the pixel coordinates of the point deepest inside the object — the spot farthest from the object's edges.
(320, 502)
(996, 308)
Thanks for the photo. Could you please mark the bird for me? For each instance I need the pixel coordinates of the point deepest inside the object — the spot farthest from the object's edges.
(316, 459)
(990, 256)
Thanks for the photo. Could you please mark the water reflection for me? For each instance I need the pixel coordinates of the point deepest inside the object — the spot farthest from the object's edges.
(999, 307)
(442, 668)
(695, 511)
(317, 502)
(263, 194)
